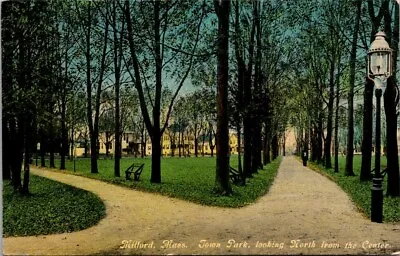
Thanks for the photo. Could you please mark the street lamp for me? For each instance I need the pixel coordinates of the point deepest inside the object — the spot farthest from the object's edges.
(379, 69)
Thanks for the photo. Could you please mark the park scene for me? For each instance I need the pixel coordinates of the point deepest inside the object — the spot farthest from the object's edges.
(211, 127)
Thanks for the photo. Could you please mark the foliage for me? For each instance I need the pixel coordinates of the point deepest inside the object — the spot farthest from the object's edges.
(52, 207)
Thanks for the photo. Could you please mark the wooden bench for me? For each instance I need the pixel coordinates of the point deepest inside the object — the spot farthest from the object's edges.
(136, 169)
(234, 175)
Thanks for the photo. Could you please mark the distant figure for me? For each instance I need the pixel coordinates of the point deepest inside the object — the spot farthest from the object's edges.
(305, 157)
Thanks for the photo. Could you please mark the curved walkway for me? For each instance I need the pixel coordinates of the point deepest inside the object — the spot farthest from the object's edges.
(304, 213)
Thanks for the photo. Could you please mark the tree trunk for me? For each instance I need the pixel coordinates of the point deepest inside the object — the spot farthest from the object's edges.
(313, 140)
(337, 124)
(337, 96)
(265, 144)
(259, 105)
(86, 142)
(268, 152)
(210, 141)
(142, 144)
(256, 154)
(117, 68)
(172, 144)
(156, 157)
(275, 147)
(107, 144)
(51, 138)
(93, 153)
(202, 146)
(64, 131)
(16, 136)
(393, 184)
(319, 138)
(196, 143)
(366, 147)
(239, 95)
(93, 138)
(42, 149)
(180, 144)
(222, 184)
(350, 111)
(155, 133)
(328, 140)
(248, 97)
(6, 154)
(365, 173)
(239, 150)
(7, 80)
(94, 130)
(27, 151)
(72, 143)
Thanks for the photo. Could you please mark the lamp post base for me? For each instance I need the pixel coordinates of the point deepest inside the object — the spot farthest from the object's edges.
(377, 200)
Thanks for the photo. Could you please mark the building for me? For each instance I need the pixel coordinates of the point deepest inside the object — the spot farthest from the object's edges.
(172, 144)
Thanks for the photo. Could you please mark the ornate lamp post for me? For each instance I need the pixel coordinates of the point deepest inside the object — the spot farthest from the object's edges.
(379, 69)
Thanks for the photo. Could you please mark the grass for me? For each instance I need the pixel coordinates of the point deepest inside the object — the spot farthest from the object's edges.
(190, 179)
(360, 192)
(51, 208)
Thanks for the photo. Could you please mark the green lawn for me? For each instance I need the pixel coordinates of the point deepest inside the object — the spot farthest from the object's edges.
(51, 208)
(360, 192)
(189, 178)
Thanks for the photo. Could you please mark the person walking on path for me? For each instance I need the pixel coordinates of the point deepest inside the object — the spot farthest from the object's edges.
(305, 156)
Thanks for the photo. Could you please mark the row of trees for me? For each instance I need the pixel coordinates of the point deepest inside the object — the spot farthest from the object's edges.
(338, 35)
(80, 67)
(256, 66)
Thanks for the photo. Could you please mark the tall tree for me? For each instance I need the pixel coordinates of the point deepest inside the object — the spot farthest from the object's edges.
(258, 104)
(161, 27)
(222, 184)
(117, 59)
(391, 102)
(368, 99)
(24, 54)
(239, 91)
(93, 113)
(350, 97)
(245, 72)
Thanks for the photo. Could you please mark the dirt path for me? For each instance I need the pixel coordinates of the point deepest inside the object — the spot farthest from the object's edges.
(304, 213)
